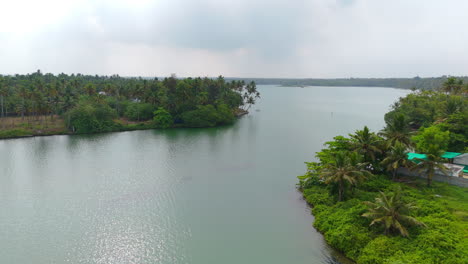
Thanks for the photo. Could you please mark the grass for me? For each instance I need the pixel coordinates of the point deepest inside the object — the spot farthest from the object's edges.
(13, 127)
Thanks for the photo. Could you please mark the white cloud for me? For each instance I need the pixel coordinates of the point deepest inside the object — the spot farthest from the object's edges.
(316, 38)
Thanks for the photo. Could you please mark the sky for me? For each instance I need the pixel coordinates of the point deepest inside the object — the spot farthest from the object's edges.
(236, 38)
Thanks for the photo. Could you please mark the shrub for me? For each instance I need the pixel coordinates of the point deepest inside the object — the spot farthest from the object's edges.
(203, 116)
(225, 114)
(317, 196)
(379, 249)
(91, 118)
(162, 118)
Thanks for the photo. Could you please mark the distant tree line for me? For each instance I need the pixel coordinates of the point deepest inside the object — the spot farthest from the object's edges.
(96, 103)
(405, 83)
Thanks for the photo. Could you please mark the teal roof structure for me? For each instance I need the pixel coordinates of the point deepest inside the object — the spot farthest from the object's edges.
(450, 155)
(412, 156)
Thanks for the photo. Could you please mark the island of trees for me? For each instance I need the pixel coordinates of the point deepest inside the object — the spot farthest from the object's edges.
(372, 214)
(42, 104)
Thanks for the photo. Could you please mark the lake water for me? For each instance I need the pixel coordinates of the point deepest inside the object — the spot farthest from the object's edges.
(219, 195)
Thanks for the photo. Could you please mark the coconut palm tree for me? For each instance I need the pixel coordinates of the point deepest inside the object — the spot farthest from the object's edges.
(430, 165)
(366, 143)
(397, 157)
(392, 212)
(452, 85)
(397, 129)
(344, 168)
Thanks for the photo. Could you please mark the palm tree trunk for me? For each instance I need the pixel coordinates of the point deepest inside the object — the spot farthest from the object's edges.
(22, 109)
(340, 191)
(394, 174)
(429, 177)
(1, 101)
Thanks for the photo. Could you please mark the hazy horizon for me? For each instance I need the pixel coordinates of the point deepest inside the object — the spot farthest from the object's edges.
(233, 77)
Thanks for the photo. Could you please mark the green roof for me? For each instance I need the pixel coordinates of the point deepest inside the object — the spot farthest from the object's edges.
(450, 155)
(465, 169)
(446, 155)
(412, 156)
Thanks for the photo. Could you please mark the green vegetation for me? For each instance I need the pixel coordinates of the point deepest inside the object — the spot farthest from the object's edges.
(371, 218)
(91, 117)
(162, 118)
(396, 157)
(208, 116)
(344, 169)
(392, 213)
(92, 104)
(446, 112)
(442, 209)
(430, 164)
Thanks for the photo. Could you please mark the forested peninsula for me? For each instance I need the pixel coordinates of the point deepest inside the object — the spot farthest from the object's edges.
(373, 215)
(47, 104)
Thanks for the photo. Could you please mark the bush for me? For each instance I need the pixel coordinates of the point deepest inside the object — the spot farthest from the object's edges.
(375, 184)
(203, 116)
(380, 249)
(162, 118)
(225, 115)
(317, 196)
(91, 118)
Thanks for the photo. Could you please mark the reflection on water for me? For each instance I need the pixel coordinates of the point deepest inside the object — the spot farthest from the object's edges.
(216, 195)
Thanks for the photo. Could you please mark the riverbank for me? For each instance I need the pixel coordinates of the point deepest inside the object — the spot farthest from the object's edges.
(442, 208)
(17, 127)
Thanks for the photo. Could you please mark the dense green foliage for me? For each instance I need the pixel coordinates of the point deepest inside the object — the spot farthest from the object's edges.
(392, 213)
(396, 157)
(375, 220)
(162, 118)
(208, 116)
(345, 168)
(139, 111)
(445, 111)
(91, 117)
(443, 209)
(397, 130)
(431, 139)
(96, 103)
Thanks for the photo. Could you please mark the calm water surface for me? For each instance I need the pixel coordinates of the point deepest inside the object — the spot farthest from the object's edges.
(220, 195)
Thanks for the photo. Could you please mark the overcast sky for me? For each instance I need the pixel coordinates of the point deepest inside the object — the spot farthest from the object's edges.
(237, 38)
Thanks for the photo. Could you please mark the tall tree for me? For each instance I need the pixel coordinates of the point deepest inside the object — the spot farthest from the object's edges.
(431, 165)
(366, 143)
(392, 213)
(397, 130)
(395, 158)
(452, 85)
(432, 140)
(345, 168)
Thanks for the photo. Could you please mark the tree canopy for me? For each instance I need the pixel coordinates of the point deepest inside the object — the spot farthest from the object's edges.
(82, 100)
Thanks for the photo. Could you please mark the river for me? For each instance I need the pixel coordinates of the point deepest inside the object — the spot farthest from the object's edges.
(217, 195)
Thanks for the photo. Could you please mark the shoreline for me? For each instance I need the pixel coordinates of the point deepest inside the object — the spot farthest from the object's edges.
(18, 133)
(366, 244)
